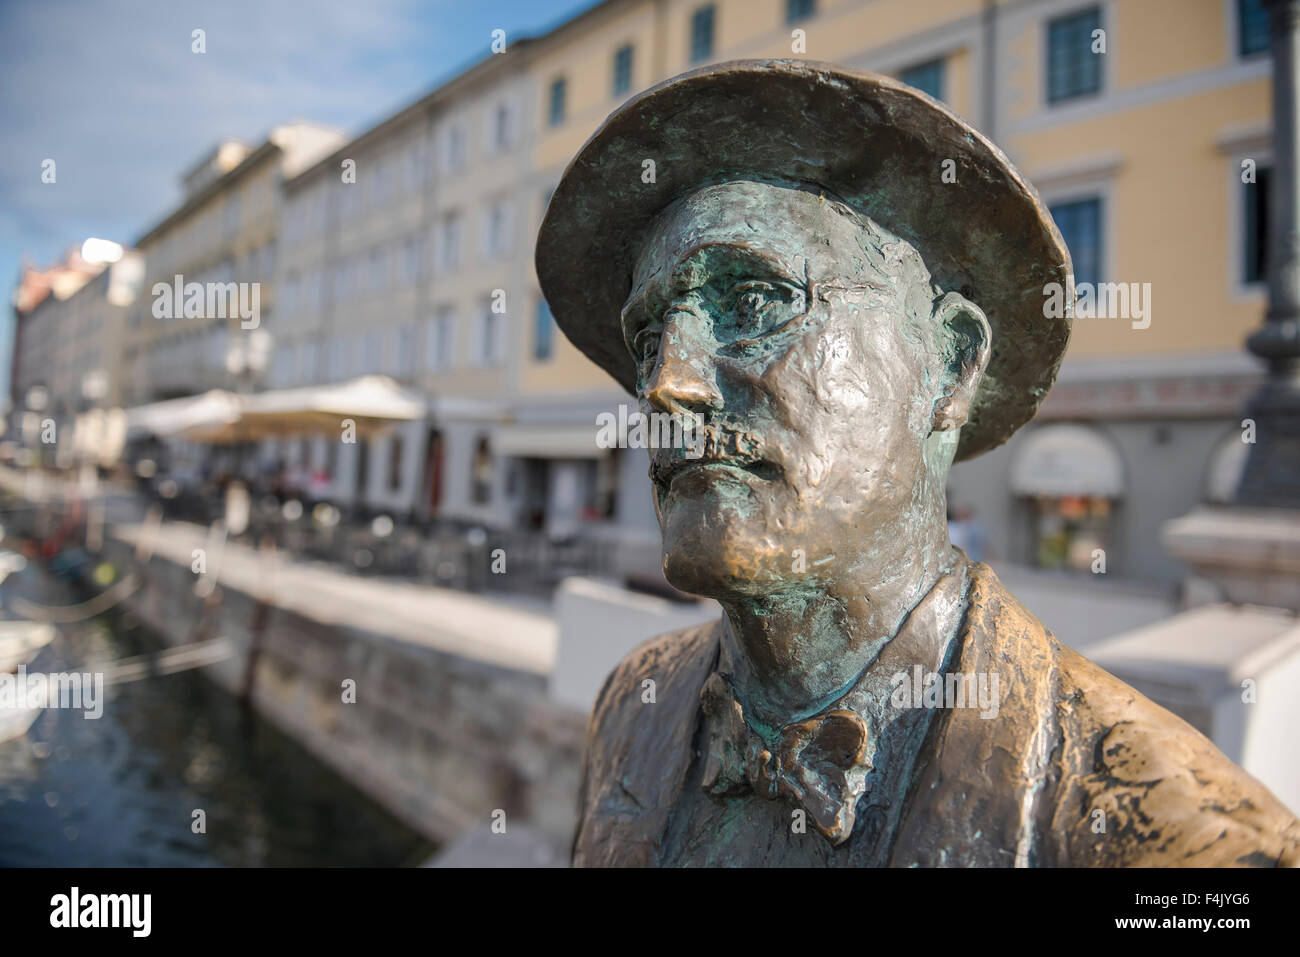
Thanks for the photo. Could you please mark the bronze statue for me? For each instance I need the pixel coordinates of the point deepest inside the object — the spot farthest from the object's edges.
(841, 283)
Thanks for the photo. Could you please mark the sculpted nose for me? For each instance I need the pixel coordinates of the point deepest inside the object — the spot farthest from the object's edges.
(683, 378)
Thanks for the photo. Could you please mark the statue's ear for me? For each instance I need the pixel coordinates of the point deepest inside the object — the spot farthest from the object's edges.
(964, 341)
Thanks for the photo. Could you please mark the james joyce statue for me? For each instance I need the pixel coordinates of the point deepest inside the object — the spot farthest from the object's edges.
(843, 283)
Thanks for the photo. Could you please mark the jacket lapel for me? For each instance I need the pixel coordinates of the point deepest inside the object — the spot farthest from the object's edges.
(981, 780)
(639, 753)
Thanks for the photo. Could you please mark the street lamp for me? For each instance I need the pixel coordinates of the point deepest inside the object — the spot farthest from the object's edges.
(247, 358)
(1272, 475)
(1249, 552)
(246, 362)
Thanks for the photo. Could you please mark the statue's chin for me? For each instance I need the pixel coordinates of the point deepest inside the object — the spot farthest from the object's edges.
(685, 573)
(715, 540)
(716, 561)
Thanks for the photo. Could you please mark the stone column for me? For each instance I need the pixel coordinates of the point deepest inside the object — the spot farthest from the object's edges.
(1249, 551)
(1272, 475)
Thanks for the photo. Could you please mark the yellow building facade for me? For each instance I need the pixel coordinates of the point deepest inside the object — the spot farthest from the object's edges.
(1161, 141)
(1137, 120)
(223, 231)
(1143, 123)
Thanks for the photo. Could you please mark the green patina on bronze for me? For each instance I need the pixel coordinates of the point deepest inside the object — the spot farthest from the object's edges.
(844, 325)
(870, 140)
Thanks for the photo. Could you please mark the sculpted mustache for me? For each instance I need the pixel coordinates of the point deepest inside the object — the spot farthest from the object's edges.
(708, 444)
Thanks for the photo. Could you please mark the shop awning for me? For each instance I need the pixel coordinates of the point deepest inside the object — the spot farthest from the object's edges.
(547, 442)
(1226, 465)
(1063, 460)
(211, 410)
(372, 403)
(98, 435)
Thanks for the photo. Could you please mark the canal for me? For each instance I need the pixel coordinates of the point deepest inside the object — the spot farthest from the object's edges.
(122, 790)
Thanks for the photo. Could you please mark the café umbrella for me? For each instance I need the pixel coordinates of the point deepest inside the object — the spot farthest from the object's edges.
(370, 404)
(210, 411)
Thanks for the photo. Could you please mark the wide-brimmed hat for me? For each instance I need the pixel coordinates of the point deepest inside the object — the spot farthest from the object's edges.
(875, 143)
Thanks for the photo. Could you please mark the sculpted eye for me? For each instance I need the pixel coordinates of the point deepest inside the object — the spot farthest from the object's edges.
(759, 307)
(646, 345)
(751, 303)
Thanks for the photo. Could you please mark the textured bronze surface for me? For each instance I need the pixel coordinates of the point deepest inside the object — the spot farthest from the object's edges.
(1020, 790)
(865, 138)
(842, 325)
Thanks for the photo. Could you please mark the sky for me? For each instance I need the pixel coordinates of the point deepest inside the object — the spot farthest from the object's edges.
(112, 92)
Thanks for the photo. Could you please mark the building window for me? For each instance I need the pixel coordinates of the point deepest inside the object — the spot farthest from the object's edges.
(605, 498)
(413, 169)
(796, 10)
(363, 469)
(1073, 70)
(411, 260)
(342, 281)
(926, 77)
(370, 353)
(502, 127)
(489, 336)
(331, 464)
(403, 363)
(232, 216)
(280, 364)
(378, 269)
(310, 371)
(481, 476)
(1080, 224)
(438, 339)
(623, 70)
(498, 224)
(543, 331)
(289, 299)
(1252, 27)
(449, 242)
(395, 464)
(453, 144)
(702, 34)
(386, 179)
(1255, 231)
(559, 88)
(1068, 531)
(338, 359)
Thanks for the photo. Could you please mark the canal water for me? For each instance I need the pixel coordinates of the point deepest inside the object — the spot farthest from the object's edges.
(121, 790)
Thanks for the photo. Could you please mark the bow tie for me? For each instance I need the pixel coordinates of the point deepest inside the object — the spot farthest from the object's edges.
(820, 763)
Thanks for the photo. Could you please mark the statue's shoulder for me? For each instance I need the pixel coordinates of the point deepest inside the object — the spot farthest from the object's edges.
(1166, 795)
(664, 660)
(1114, 779)
(980, 770)
(640, 742)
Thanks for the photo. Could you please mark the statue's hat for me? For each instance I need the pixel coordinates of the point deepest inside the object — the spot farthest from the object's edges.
(879, 145)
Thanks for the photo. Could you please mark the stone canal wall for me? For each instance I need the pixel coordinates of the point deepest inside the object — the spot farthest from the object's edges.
(440, 739)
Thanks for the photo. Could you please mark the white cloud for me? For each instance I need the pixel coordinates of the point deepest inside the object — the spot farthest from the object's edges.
(113, 93)
(115, 96)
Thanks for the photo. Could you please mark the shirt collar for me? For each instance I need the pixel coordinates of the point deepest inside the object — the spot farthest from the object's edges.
(822, 763)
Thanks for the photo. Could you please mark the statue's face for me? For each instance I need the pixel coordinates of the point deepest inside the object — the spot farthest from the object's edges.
(758, 308)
